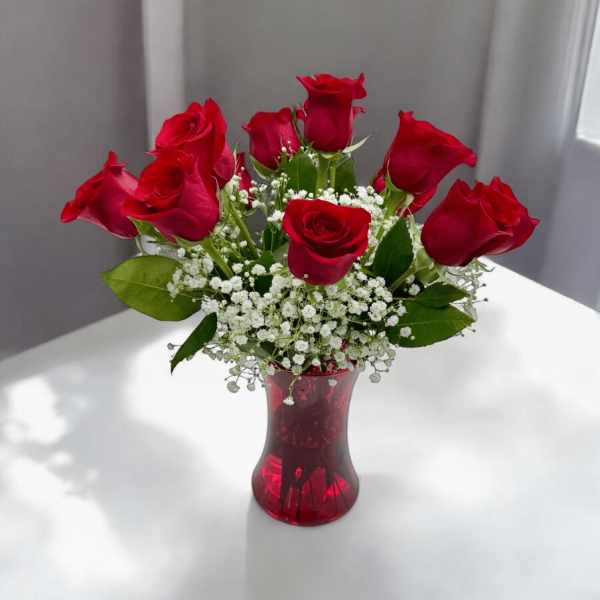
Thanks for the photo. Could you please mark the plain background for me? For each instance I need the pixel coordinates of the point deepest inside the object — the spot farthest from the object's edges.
(82, 77)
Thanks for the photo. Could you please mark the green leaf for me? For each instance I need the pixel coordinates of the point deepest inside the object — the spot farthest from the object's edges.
(141, 283)
(394, 254)
(273, 241)
(439, 295)
(263, 171)
(197, 340)
(263, 282)
(390, 186)
(356, 146)
(145, 228)
(302, 173)
(345, 176)
(427, 276)
(262, 350)
(428, 325)
(332, 155)
(267, 239)
(283, 249)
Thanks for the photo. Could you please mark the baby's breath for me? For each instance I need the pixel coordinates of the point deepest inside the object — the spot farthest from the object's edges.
(267, 319)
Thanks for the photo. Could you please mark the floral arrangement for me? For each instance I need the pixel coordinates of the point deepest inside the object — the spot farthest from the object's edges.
(340, 275)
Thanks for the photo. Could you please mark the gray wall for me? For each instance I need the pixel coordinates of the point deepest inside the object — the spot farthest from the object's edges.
(429, 56)
(71, 88)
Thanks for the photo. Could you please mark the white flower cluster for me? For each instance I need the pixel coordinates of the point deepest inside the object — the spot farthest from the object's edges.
(293, 325)
(267, 319)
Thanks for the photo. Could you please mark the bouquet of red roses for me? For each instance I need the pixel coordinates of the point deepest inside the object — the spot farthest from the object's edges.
(340, 274)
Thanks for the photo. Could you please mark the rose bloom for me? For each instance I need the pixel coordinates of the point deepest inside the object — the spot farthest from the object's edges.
(269, 132)
(421, 156)
(175, 198)
(418, 202)
(487, 219)
(325, 239)
(245, 181)
(328, 113)
(100, 199)
(200, 131)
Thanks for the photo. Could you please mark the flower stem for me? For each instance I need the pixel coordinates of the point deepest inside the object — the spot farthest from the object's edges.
(332, 171)
(322, 174)
(402, 277)
(241, 223)
(210, 249)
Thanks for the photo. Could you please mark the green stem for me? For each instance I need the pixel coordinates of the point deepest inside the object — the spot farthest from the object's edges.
(241, 223)
(332, 171)
(208, 246)
(322, 174)
(402, 277)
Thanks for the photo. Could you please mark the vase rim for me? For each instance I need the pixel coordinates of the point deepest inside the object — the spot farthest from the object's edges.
(340, 372)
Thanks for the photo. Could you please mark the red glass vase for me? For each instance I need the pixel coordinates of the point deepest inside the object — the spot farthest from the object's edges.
(305, 475)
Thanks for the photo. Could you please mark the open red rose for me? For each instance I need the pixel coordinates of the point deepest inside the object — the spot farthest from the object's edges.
(325, 239)
(469, 223)
(200, 131)
(418, 202)
(421, 155)
(175, 198)
(269, 132)
(328, 113)
(245, 181)
(99, 199)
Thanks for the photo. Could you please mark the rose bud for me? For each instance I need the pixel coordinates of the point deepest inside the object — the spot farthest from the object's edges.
(174, 196)
(378, 182)
(100, 199)
(245, 181)
(325, 239)
(421, 156)
(469, 223)
(200, 131)
(417, 203)
(269, 132)
(328, 113)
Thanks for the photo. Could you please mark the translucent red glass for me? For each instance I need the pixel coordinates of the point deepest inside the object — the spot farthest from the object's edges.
(305, 475)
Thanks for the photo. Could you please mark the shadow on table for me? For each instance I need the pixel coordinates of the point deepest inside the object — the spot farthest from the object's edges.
(345, 558)
(96, 495)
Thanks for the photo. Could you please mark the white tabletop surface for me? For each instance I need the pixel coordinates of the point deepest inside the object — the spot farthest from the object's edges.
(478, 460)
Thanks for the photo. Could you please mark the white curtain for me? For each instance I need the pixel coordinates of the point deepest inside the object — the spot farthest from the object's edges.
(537, 63)
(163, 50)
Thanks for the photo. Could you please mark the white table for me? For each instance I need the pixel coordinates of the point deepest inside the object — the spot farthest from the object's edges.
(478, 458)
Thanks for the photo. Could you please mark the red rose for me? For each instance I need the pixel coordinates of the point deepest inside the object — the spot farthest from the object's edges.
(469, 223)
(245, 181)
(421, 155)
(200, 131)
(325, 239)
(99, 199)
(378, 182)
(328, 113)
(268, 133)
(175, 198)
(417, 203)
